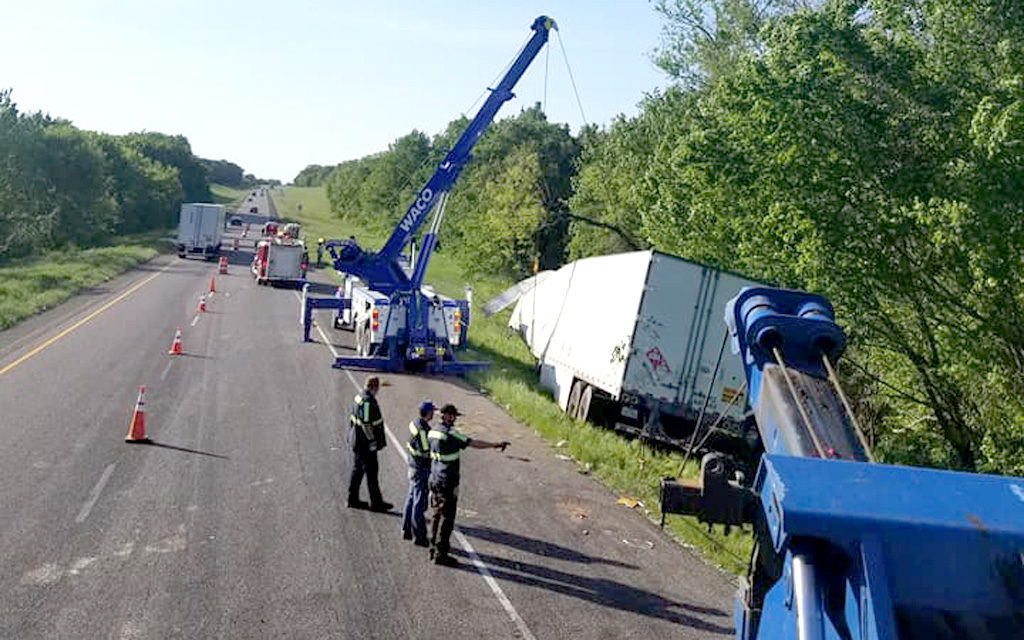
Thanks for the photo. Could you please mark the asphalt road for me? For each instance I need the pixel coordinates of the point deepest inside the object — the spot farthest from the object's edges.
(232, 523)
(256, 207)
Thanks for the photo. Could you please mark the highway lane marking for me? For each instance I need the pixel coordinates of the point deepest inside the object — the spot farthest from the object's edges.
(493, 584)
(87, 318)
(167, 369)
(481, 568)
(194, 321)
(95, 495)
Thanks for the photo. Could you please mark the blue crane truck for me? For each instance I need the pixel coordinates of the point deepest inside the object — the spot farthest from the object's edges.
(845, 548)
(401, 324)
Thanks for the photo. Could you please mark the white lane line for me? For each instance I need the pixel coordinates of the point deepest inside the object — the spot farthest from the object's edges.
(95, 495)
(167, 369)
(493, 584)
(481, 568)
(194, 321)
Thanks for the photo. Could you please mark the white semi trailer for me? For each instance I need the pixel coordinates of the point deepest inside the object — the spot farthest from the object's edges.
(200, 229)
(635, 341)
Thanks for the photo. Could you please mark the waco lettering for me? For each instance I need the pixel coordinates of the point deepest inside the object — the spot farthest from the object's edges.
(417, 209)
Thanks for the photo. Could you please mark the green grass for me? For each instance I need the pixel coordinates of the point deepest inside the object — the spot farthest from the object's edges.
(625, 466)
(31, 285)
(230, 197)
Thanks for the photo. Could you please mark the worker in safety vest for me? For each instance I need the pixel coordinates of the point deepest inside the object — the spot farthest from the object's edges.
(414, 524)
(366, 437)
(319, 252)
(446, 445)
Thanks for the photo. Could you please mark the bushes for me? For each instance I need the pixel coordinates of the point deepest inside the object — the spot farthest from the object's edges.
(60, 185)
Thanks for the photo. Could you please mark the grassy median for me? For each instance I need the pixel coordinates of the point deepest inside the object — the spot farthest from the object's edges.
(626, 466)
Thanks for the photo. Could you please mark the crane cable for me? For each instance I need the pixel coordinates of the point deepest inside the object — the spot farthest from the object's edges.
(572, 80)
(799, 405)
(834, 379)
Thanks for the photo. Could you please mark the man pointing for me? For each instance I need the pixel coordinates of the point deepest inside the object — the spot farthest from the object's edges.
(446, 445)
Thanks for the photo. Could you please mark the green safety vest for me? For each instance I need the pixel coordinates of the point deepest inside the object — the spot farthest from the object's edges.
(418, 444)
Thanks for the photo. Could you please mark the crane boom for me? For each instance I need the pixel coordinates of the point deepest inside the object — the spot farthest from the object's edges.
(382, 271)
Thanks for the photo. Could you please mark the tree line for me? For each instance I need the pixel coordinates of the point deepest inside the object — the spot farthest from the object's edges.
(60, 185)
(872, 151)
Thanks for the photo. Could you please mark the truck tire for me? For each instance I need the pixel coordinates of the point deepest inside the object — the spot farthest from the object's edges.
(586, 400)
(572, 406)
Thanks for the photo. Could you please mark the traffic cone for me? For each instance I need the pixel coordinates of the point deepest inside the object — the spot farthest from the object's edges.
(137, 427)
(212, 288)
(202, 304)
(176, 345)
(223, 266)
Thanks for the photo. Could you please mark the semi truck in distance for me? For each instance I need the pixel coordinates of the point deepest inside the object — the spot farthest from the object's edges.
(635, 341)
(200, 230)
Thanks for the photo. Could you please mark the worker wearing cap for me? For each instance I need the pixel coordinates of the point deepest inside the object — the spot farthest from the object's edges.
(414, 525)
(319, 252)
(366, 437)
(446, 445)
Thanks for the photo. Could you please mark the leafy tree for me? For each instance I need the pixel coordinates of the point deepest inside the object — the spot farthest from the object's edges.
(223, 172)
(175, 151)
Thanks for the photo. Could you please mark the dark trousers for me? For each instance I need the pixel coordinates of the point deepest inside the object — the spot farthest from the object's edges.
(364, 463)
(443, 501)
(414, 520)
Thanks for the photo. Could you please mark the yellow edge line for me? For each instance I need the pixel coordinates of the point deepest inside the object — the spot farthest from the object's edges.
(87, 318)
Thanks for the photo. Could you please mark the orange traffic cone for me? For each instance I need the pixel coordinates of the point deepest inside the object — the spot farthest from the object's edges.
(202, 304)
(223, 266)
(212, 288)
(176, 345)
(137, 427)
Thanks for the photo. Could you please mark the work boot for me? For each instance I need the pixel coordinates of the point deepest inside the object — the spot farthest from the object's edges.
(407, 535)
(446, 561)
(421, 542)
(357, 504)
(381, 507)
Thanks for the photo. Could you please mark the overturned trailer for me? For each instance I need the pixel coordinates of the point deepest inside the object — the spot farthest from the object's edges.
(634, 341)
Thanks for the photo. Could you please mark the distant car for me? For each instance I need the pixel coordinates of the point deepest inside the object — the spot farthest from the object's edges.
(254, 210)
(236, 222)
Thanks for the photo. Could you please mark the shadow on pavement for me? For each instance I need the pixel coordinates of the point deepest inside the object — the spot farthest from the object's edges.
(601, 591)
(242, 257)
(539, 547)
(164, 445)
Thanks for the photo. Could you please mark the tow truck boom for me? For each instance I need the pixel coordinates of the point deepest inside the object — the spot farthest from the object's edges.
(846, 549)
(382, 271)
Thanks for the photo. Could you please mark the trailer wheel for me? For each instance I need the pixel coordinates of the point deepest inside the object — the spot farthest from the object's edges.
(573, 405)
(586, 399)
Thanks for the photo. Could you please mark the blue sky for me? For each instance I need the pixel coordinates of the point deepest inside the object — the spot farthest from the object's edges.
(275, 86)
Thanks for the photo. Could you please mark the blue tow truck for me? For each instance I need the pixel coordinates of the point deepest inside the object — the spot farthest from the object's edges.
(400, 324)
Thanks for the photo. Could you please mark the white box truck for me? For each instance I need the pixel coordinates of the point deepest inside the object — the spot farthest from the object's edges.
(635, 341)
(200, 229)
